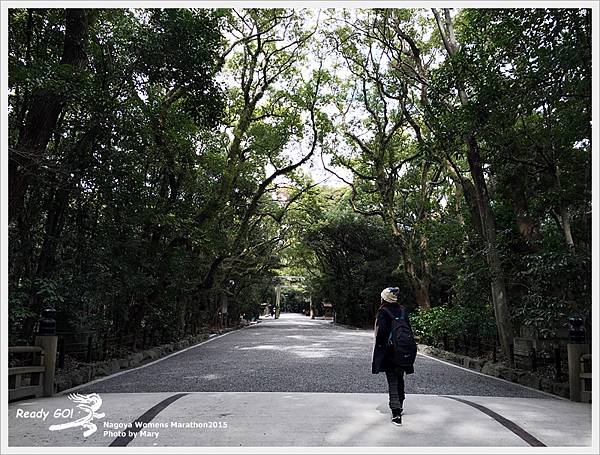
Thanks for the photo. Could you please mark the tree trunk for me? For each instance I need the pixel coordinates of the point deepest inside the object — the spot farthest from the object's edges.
(499, 296)
(565, 222)
(419, 284)
(43, 111)
(54, 225)
(421, 289)
(61, 191)
(468, 192)
(565, 218)
(526, 224)
(21, 108)
(47, 257)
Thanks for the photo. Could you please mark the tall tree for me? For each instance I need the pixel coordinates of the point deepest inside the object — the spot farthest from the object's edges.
(390, 168)
(486, 215)
(44, 108)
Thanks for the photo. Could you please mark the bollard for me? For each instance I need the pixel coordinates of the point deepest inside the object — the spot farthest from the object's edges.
(586, 378)
(576, 330)
(48, 341)
(575, 349)
(47, 325)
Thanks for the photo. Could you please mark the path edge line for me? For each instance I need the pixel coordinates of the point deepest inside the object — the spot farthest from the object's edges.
(146, 417)
(506, 423)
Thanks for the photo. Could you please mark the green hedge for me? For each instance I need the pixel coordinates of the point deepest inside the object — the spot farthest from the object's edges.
(443, 321)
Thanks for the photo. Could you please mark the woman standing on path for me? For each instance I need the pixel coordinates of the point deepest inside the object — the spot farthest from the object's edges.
(395, 349)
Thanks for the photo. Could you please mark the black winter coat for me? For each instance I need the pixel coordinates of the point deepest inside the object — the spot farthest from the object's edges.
(383, 326)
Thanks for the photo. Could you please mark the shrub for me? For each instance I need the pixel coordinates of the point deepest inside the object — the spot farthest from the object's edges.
(443, 321)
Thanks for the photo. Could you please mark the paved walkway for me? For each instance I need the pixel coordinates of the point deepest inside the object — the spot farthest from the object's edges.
(308, 419)
(298, 382)
(297, 354)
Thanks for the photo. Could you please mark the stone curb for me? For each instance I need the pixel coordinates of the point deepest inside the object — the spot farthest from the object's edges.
(95, 370)
(498, 370)
(346, 326)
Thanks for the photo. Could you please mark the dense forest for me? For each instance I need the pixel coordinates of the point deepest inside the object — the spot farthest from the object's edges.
(163, 161)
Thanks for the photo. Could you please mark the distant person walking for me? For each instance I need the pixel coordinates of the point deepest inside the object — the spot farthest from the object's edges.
(395, 349)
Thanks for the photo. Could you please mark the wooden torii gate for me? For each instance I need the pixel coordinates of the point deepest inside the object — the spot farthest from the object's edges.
(282, 282)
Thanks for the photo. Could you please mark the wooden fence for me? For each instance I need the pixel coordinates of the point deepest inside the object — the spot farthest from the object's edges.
(526, 353)
(93, 346)
(34, 380)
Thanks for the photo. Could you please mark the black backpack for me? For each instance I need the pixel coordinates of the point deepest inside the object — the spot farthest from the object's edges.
(401, 341)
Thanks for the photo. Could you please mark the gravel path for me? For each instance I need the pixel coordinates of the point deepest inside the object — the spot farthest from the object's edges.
(297, 354)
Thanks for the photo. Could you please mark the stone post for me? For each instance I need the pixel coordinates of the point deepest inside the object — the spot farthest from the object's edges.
(48, 341)
(575, 349)
(277, 301)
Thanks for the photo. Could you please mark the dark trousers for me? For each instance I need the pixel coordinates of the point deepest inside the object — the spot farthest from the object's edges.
(395, 380)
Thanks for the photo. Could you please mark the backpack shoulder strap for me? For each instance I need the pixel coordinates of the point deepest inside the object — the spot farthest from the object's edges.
(390, 314)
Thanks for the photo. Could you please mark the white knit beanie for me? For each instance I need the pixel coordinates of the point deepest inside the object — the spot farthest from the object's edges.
(390, 294)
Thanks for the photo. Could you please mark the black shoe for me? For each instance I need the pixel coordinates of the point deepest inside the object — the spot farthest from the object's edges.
(397, 416)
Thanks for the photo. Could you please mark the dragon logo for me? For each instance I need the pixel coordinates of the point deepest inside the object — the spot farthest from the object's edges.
(89, 404)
